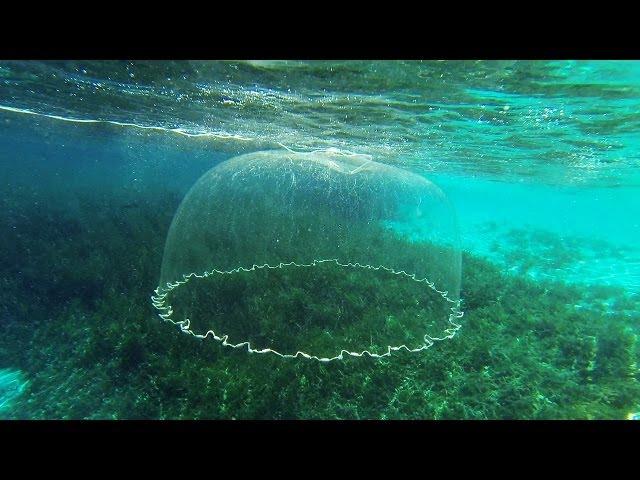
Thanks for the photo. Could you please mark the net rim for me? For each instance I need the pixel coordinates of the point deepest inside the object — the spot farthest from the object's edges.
(165, 311)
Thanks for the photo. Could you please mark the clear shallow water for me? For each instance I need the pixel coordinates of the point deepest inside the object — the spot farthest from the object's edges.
(582, 235)
(540, 159)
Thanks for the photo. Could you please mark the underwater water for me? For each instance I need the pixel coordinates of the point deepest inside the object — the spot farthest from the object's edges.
(537, 160)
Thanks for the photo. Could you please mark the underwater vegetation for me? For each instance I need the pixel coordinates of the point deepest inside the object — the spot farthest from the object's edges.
(77, 321)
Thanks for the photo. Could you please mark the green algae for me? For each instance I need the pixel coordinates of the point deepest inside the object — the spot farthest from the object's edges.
(91, 346)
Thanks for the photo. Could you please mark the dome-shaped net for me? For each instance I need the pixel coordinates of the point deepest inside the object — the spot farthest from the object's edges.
(316, 254)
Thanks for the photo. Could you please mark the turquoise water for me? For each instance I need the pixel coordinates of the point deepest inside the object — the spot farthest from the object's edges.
(539, 159)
